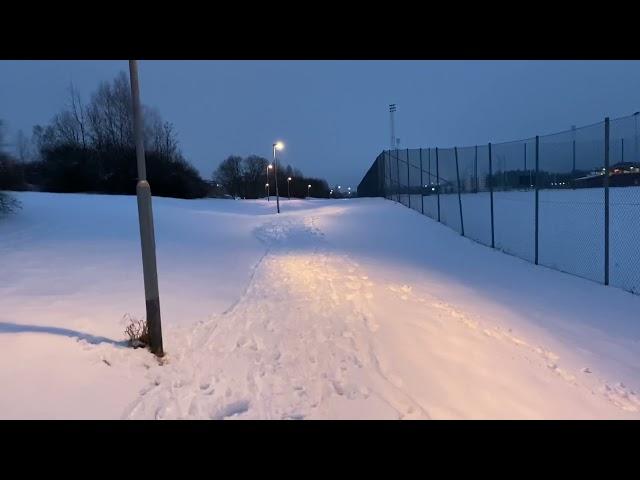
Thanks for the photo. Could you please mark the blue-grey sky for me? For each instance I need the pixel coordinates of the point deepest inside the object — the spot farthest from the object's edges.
(333, 115)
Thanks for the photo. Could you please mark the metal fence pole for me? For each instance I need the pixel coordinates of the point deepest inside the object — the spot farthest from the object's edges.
(438, 181)
(398, 176)
(459, 194)
(475, 170)
(145, 217)
(573, 155)
(408, 180)
(493, 242)
(606, 201)
(421, 185)
(429, 166)
(537, 231)
(387, 175)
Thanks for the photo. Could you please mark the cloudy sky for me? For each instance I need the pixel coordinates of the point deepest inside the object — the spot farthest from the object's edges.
(333, 115)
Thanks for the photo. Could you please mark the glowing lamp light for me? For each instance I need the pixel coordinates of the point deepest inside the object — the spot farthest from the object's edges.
(279, 145)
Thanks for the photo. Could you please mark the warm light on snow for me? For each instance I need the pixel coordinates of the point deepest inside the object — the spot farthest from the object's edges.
(354, 309)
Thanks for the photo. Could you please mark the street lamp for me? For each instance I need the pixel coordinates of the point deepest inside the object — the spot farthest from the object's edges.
(266, 188)
(308, 189)
(269, 167)
(288, 190)
(635, 148)
(276, 146)
(145, 218)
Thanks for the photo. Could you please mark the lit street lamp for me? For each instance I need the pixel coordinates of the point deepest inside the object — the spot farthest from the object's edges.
(288, 190)
(267, 184)
(635, 148)
(308, 189)
(266, 188)
(276, 146)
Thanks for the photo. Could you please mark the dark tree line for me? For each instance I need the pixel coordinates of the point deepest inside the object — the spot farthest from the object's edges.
(90, 148)
(247, 177)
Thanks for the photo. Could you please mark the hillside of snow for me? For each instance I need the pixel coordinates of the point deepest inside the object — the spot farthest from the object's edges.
(358, 308)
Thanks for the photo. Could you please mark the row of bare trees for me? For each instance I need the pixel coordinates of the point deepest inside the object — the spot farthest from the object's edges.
(90, 147)
(105, 122)
(246, 178)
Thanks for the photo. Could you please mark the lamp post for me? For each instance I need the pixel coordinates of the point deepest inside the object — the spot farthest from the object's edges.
(276, 146)
(267, 184)
(308, 189)
(266, 188)
(145, 218)
(635, 147)
(288, 189)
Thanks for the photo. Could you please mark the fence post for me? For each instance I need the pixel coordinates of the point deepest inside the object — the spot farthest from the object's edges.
(398, 176)
(493, 242)
(459, 195)
(408, 180)
(606, 201)
(387, 176)
(537, 197)
(421, 185)
(438, 181)
(475, 170)
(573, 154)
(429, 166)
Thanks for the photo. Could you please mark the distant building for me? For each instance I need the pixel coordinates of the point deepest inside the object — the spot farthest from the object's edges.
(622, 174)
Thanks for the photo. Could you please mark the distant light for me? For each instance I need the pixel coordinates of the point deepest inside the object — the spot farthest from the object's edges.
(266, 184)
(289, 179)
(338, 187)
(270, 166)
(279, 145)
(433, 189)
(308, 186)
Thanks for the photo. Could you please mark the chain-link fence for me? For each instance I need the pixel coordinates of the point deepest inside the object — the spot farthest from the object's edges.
(569, 201)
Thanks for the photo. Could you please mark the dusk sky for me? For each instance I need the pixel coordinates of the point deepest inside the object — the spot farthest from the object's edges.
(333, 115)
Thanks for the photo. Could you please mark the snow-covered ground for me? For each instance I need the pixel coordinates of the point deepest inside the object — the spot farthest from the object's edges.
(571, 228)
(355, 308)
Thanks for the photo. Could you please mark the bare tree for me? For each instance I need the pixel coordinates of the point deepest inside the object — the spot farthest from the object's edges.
(24, 147)
(229, 173)
(109, 119)
(78, 112)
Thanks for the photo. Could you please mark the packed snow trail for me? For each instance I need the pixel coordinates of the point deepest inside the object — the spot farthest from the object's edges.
(297, 345)
(305, 341)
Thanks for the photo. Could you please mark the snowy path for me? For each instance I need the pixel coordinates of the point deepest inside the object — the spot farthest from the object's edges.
(333, 309)
(296, 345)
(305, 341)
